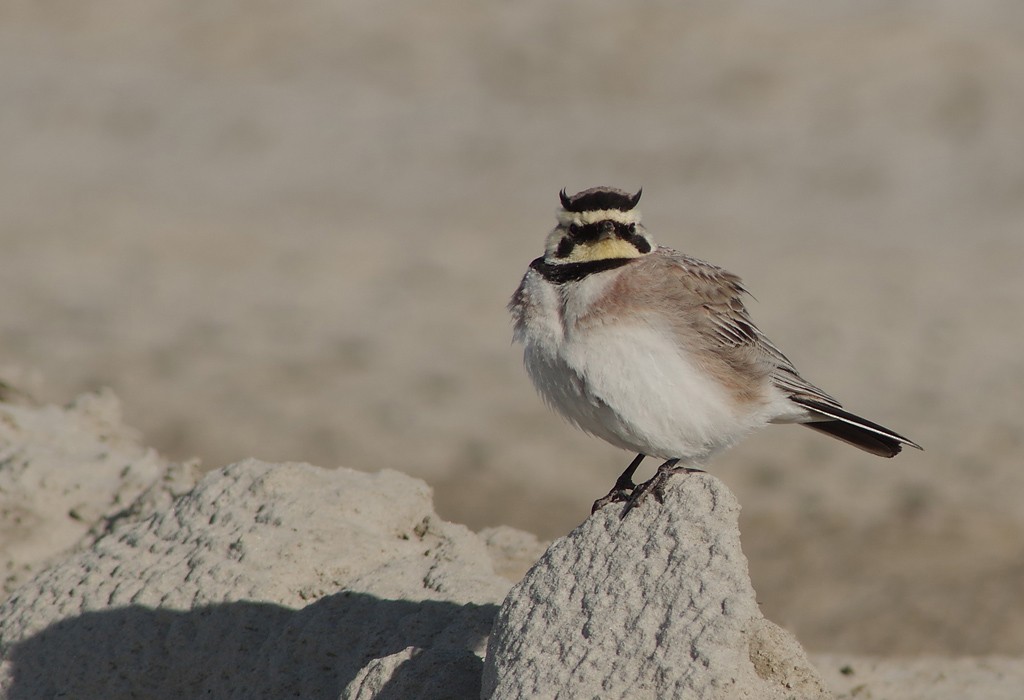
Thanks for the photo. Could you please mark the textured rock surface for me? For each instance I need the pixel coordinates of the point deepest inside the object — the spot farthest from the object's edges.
(264, 581)
(270, 581)
(656, 604)
(62, 470)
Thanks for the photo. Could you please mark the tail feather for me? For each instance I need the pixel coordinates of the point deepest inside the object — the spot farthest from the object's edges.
(853, 429)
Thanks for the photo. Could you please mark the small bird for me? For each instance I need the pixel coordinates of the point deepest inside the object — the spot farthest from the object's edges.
(654, 351)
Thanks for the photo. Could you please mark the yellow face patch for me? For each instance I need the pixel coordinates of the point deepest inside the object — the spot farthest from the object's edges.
(603, 249)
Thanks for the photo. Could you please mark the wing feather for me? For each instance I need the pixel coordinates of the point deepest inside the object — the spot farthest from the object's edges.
(714, 298)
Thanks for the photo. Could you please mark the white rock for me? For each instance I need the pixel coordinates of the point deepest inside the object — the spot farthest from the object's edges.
(658, 604)
(284, 580)
(264, 581)
(513, 551)
(62, 470)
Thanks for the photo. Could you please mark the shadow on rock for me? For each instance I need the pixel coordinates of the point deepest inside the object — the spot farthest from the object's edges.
(347, 644)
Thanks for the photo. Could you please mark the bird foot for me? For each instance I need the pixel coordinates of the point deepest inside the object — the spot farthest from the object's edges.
(624, 486)
(655, 486)
(619, 494)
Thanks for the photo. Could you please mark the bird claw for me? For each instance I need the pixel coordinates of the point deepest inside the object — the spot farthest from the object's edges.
(624, 486)
(616, 495)
(655, 486)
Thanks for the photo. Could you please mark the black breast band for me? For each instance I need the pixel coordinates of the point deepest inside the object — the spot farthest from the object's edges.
(573, 272)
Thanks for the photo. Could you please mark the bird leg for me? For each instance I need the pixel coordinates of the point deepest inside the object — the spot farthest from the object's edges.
(624, 486)
(656, 484)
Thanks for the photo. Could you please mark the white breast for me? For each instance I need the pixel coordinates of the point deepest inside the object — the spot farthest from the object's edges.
(628, 383)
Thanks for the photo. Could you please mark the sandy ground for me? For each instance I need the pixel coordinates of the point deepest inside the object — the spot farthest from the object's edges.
(289, 231)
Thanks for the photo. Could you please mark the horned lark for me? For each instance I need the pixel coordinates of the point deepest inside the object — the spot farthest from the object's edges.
(654, 351)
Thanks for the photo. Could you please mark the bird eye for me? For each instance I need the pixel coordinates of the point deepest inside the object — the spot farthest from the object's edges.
(573, 229)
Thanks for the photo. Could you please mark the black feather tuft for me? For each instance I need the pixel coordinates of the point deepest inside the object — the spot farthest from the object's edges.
(598, 198)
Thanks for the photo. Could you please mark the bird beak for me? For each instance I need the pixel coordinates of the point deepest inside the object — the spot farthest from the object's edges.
(607, 231)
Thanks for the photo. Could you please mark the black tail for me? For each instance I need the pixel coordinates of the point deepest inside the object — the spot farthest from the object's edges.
(855, 430)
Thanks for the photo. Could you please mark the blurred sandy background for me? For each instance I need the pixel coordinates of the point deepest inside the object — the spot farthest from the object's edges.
(289, 230)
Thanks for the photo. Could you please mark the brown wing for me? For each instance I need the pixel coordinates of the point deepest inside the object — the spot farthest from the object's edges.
(710, 304)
